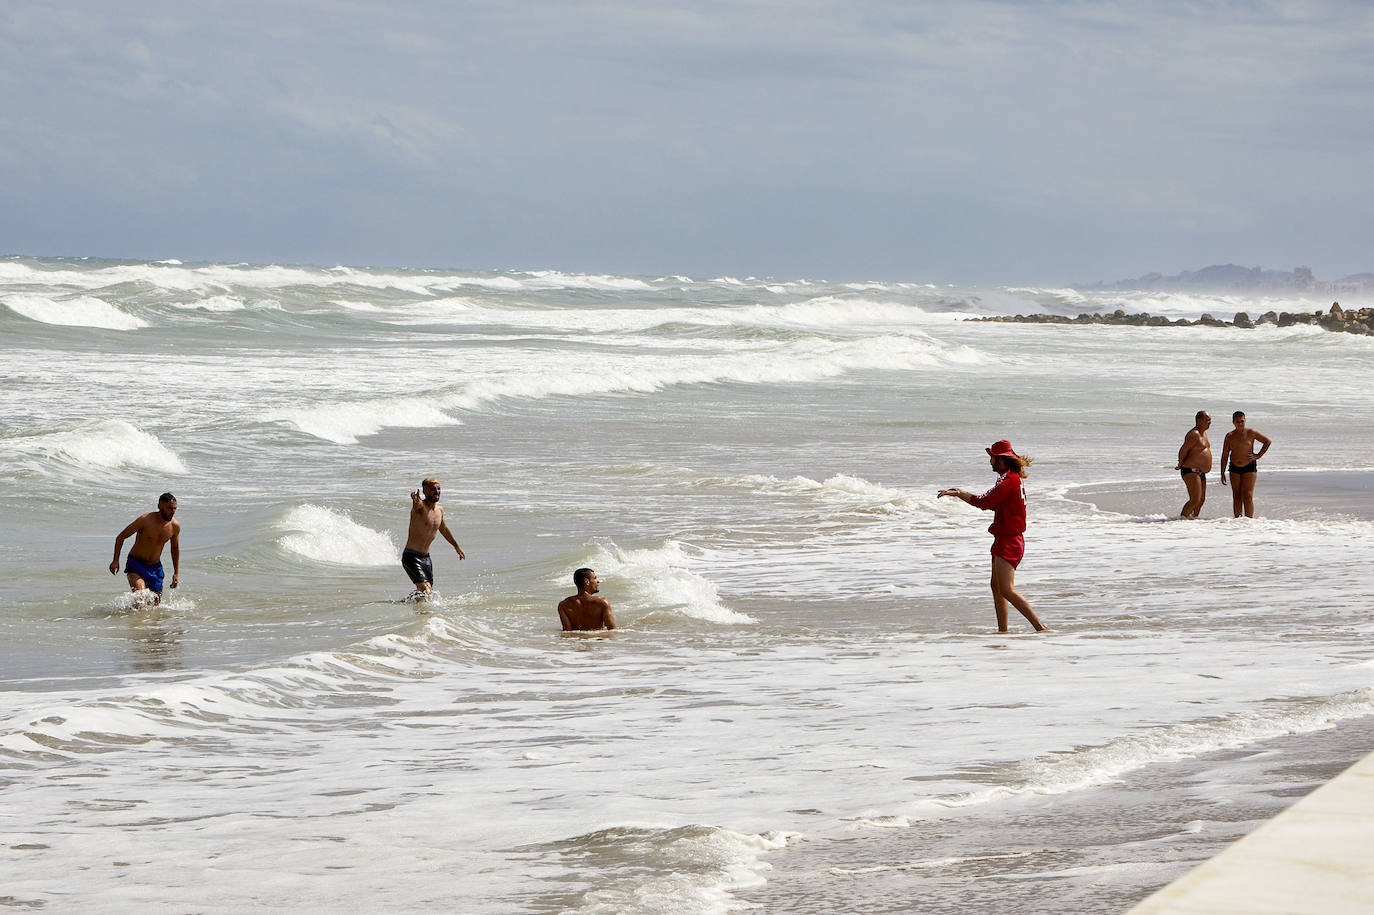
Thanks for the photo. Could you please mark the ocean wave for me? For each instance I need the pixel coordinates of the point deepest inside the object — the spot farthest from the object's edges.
(71, 311)
(344, 423)
(112, 444)
(824, 313)
(313, 686)
(846, 492)
(327, 536)
(224, 278)
(659, 581)
(699, 867)
(218, 304)
(796, 362)
(793, 363)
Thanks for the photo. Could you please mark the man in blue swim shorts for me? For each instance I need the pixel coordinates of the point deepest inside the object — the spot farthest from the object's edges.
(151, 533)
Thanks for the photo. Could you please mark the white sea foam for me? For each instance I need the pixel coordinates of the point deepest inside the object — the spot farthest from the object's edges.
(344, 423)
(214, 278)
(846, 492)
(807, 360)
(172, 601)
(72, 311)
(1087, 767)
(825, 313)
(327, 536)
(110, 444)
(704, 866)
(801, 361)
(660, 580)
(216, 303)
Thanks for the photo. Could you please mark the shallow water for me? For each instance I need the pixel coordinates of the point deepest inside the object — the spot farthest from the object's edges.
(806, 705)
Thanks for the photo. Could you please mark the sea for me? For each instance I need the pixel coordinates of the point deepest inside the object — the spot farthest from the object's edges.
(806, 708)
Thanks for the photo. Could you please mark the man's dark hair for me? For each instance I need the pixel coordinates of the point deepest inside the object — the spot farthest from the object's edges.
(1237, 415)
(580, 577)
(1197, 417)
(166, 497)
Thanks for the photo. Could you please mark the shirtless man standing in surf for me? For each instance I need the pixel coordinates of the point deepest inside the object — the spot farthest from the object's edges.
(151, 533)
(584, 611)
(1194, 463)
(426, 520)
(1238, 453)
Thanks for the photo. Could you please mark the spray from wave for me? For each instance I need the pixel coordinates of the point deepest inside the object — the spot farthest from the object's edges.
(100, 445)
(72, 311)
(326, 536)
(659, 581)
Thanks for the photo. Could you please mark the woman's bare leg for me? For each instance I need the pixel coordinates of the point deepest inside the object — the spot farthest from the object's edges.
(1004, 592)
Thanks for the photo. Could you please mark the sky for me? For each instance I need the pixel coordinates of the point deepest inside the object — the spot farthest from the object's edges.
(973, 141)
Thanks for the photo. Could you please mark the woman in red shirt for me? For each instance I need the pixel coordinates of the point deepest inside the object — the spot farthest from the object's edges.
(1007, 500)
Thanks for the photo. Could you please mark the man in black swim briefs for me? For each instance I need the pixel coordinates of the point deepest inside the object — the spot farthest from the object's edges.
(1194, 463)
(419, 566)
(426, 520)
(1238, 455)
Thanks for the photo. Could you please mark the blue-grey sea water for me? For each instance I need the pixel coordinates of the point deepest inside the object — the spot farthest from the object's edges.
(806, 709)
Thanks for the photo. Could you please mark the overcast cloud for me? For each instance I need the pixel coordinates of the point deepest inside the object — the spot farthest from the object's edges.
(972, 141)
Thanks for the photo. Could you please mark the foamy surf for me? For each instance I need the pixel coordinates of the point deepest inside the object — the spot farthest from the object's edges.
(345, 423)
(105, 445)
(705, 864)
(323, 535)
(72, 311)
(1088, 767)
(659, 582)
(761, 449)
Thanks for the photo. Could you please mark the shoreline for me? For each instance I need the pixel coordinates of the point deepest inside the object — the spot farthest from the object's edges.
(1288, 495)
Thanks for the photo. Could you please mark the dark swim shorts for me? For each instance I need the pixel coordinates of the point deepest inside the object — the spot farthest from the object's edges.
(151, 574)
(1010, 547)
(418, 566)
(1184, 471)
(1252, 467)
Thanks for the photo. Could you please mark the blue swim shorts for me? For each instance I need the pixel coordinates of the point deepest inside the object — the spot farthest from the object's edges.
(151, 574)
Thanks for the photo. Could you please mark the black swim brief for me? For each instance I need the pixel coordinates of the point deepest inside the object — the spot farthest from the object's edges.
(1251, 467)
(1184, 471)
(418, 566)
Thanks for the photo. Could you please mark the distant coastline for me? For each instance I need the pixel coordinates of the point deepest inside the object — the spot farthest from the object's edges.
(1234, 278)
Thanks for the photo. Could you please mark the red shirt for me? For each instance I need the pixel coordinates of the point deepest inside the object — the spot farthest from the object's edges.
(1007, 499)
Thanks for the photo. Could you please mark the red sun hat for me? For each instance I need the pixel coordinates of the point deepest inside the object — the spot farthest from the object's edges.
(1001, 448)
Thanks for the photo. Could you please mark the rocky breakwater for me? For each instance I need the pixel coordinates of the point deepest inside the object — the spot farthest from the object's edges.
(1350, 321)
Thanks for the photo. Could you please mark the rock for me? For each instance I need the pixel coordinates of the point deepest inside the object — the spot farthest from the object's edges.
(1352, 321)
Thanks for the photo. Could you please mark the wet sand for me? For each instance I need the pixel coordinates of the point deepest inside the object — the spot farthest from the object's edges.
(1282, 494)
